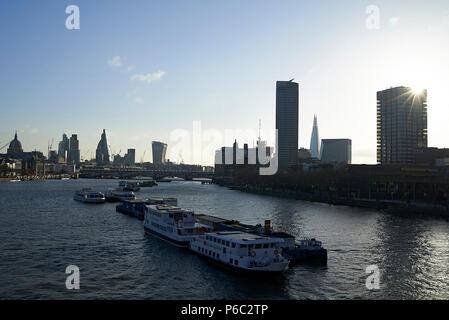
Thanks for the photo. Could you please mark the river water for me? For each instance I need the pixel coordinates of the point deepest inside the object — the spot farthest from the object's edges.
(43, 230)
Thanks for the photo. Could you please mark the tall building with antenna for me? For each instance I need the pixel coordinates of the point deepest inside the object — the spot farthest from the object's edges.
(315, 140)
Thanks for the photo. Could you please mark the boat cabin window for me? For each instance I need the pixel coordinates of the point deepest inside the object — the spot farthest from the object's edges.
(231, 261)
(236, 262)
(258, 246)
(266, 245)
(272, 245)
(233, 245)
(227, 243)
(243, 246)
(171, 215)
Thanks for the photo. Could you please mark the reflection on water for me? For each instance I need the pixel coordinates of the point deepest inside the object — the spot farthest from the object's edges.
(42, 231)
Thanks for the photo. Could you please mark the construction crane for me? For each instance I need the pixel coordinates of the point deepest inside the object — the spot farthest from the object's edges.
(3, 147)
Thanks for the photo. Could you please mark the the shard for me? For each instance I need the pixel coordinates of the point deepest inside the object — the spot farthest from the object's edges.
(315, 140)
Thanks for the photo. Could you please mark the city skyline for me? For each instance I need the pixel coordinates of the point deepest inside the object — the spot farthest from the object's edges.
(138, 82)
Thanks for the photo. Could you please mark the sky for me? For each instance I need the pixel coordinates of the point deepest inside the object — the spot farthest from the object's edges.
(187, 71)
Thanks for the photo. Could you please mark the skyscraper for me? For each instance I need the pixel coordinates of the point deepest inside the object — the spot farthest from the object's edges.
(63, 148)
(287, 114)
(315, 140)
(102, 153)
(130, 157)
(159, 151)
(401, 125)
(73, 155)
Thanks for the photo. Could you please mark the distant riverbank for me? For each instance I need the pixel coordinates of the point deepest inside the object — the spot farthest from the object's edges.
(34, 178)
(390, 206)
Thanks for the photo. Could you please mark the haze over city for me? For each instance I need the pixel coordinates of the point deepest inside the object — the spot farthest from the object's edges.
(141, 71)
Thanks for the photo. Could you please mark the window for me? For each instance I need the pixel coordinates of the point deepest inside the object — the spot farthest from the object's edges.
(227, 243)
(224, 250)
(272, 245)
(243, 246)
(266, 245)
(258, 246)
(233, 245)
(236, 262)
(213, 254)
(218, 256)
(231, 261)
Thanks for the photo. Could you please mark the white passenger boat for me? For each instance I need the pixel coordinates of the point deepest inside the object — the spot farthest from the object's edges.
(88, 196)
(129, 186)
(241, 251)
(173, 224)
(119, 195)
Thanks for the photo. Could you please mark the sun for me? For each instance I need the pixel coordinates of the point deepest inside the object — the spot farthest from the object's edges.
(417, 90)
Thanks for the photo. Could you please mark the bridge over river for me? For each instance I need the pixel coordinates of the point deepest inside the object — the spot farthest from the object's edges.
(127, 173)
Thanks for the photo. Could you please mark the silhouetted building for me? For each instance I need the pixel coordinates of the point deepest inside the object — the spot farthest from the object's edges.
(63, 148)
(128, 159)
(304, 155)
(159, 152)
(315, 140)
(432, 157)
(102, 153)
(73, 155)
(401, 125)
(287, 116)
(15, 147)
(338, 151)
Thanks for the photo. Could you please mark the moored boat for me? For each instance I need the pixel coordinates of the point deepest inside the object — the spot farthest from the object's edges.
(119, 195)
(241, 251)
(172, 224)
(87, 195)
(304, 250)
(136, 208)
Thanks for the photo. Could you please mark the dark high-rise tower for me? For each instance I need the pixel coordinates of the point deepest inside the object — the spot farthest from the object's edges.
(102, 153)
(401, 125)
(315, 140)
(287, 114)
(159, 151)
(63, 148)
(73, 155)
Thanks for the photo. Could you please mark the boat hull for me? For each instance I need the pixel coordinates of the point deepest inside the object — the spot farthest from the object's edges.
(242, 270)
(177, 243)
(93, 201)
(139, 215)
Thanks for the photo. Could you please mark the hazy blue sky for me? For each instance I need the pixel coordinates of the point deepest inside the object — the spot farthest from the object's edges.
(141, 69)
